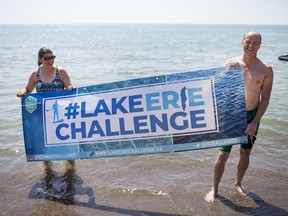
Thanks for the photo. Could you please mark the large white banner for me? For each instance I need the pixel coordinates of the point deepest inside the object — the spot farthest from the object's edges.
(175, 112)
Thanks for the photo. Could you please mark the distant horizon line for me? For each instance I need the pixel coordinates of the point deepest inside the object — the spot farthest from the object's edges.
(228, 24)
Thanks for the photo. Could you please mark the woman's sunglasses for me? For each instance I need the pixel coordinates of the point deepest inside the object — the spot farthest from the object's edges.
(47, 58)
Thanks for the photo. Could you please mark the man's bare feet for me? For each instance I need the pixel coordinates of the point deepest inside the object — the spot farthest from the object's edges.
(241, 190)
(211, 196)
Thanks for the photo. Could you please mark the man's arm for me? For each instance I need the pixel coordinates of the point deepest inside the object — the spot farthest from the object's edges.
(264, 101)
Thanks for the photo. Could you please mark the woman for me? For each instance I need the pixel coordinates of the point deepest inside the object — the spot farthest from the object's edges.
(48, 77)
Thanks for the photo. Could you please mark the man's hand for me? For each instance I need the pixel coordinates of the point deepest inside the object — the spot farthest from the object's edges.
(235, 64)
(251, 129)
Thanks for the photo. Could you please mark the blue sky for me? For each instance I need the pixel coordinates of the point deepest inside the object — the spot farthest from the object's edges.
(144, 11)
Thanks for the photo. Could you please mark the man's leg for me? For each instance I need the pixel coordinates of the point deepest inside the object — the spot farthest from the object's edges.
(218, 172)
(241, 169)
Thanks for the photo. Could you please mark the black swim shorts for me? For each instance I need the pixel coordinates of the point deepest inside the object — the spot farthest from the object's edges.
(251, 139)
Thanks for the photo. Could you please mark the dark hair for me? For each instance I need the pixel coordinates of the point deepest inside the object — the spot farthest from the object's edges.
(260, 37)
(41, 53)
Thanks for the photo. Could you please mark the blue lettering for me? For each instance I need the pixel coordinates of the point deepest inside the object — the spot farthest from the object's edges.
(192, 97)
(163, 124)
(175, 125)
(138, 124)
(101, 107)
(83, 111)
(108, 129)
(95, 129)
(170, 98)
(123, 130)
(133, 103)
(150, 101)
(75, 130)
(194, 119)
(118, 105)
(58, 134)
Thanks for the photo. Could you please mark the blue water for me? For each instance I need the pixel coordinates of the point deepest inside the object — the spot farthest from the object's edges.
(94, 54)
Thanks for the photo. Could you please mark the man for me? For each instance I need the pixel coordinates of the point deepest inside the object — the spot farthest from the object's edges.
(258, 79)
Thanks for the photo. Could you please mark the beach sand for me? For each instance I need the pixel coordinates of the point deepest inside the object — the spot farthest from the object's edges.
(142, 185)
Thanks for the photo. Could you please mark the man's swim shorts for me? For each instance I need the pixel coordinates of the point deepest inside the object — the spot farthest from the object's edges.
(251, 139)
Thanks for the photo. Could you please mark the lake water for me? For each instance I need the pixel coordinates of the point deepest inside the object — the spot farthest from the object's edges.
(164, 184)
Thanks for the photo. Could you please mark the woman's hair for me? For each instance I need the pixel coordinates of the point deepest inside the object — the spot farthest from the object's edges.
(41, 53)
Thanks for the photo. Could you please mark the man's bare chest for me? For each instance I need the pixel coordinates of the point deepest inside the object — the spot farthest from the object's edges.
(253, 75)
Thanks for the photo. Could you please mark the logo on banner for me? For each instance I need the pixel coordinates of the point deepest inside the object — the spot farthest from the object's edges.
(55, 109)
(162, 110)
(30, 104)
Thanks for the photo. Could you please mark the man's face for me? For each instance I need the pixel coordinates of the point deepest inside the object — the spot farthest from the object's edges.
(251, 44)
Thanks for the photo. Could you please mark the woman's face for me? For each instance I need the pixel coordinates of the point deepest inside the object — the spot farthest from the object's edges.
(48, 59)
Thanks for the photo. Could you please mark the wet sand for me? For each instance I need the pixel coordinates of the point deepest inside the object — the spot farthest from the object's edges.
(167, 184)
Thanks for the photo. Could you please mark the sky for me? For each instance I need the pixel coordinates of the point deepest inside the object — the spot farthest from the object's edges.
(264, 12)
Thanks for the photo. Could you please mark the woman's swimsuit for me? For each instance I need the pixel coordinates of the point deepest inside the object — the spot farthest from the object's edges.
(251, 139)
(55, 85)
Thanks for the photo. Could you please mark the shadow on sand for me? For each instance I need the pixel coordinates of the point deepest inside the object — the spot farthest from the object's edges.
(62, 189)
(263, 209)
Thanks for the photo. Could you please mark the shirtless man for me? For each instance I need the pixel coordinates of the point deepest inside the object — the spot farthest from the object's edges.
(258, 79)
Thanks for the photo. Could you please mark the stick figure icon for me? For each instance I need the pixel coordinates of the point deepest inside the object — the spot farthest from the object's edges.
(55, 109)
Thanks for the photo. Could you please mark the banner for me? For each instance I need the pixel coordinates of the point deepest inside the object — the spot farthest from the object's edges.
(167, 113)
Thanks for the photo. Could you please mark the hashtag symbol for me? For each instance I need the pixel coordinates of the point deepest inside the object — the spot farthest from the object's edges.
(71, 110)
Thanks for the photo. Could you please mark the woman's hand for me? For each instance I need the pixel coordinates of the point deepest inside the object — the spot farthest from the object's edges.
(70, 88)
(22, 93)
